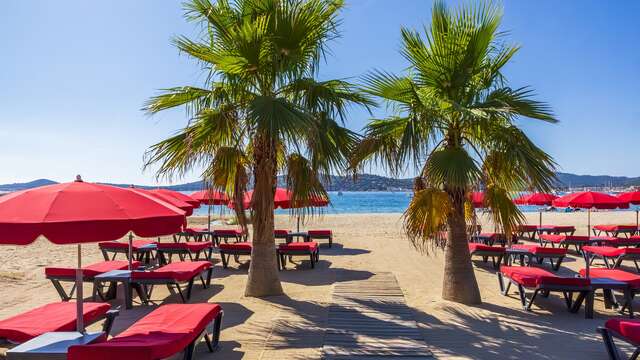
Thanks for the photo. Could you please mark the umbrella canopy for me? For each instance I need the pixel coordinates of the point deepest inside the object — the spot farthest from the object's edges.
(178, 195)
(590, 200)
(210, 197)
(539, 199)
(632, 197)
(79, 212)
(477, 199)
(283, 199)
(184, 206)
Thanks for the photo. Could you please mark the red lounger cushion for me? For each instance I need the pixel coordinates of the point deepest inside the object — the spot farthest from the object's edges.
(178, 271)
(615, 227)
(136, 244)
(280, 232)
(195, 230)
(615, 274)
(609, 251)
(236, 246)
(51, 317)
(93, 269)
(299, 246)
(236, 232)
(191, 246)
(615, 241)
(165, 331)
(560, 238)
(541, 250)
(473, 247)
(562, 227)
(630, 329)
(319, 233)
(534, 277)
(527, 228)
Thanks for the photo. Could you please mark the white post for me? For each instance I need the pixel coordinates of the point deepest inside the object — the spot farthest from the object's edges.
(79, 296)
(130, 250)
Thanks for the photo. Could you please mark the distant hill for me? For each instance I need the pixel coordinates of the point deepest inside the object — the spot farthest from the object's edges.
(367, 182)
(27, 185)
(573, 180)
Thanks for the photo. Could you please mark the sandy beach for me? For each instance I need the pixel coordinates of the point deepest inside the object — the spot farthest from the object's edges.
(292, 326)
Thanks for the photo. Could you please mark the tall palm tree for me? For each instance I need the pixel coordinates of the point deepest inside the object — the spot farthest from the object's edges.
(261, 111)
(454, 119)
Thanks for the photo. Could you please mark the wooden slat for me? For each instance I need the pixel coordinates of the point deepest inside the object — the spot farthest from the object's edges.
(370, 320)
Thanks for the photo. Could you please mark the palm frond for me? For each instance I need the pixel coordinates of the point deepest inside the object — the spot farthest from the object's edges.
(425, 219)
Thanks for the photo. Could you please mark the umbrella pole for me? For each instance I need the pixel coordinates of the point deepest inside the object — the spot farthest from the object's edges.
(130, 250)
(589, 222)
(79, 298)
(637, 224)
(209, 218)
(298, 228)
(540, 218)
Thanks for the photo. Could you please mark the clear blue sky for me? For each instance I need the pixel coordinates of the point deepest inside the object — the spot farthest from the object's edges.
(73, 76)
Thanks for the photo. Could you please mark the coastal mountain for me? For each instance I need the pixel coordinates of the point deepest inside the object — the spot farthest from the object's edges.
(368, 182)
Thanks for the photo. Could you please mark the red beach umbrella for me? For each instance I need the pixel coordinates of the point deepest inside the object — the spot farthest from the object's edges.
(632, 197)
(283, 199)
(537, 199)
(79, 212)
(477, 200)
(186, 207)
(210, 197)
(590, 200)
(178, 195)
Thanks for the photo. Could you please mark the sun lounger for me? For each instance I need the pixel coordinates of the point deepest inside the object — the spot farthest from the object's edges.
(57, 275)
(625, 329)
(173, 275)
(632, 280)
(490, 238)
(537, 254)
(496, 253)
(282, 234)
(164, 332)
(612, 256)
(225, 234)
(197, 234)
(566, 240)
(556, 229)
(320, 234)
(529, 230)
(632, 241)
(615, 230)
(141, 249)
(59, 316)
(532, 281)
(309, 249)
(235, 249)
(192, 250)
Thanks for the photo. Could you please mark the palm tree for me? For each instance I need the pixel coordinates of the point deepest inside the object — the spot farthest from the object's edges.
(454, 119)
(261, 111)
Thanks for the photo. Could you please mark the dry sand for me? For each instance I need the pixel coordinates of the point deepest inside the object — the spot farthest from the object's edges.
(291, 326)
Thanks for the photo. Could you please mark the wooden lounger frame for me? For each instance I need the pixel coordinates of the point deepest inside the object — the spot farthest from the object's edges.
(497, 257)
(164, 254)
(229, 252)
(608, 336)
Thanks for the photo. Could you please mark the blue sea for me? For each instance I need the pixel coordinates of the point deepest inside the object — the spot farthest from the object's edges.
(349, 202)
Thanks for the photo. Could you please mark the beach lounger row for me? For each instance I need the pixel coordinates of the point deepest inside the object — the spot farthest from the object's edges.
(308, 249)
(526, 254)
(615, 230)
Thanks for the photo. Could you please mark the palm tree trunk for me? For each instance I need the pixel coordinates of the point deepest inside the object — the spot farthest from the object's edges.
(263, 272)
(460, 283)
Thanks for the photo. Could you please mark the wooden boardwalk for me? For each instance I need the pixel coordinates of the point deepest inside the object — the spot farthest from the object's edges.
(369, 319)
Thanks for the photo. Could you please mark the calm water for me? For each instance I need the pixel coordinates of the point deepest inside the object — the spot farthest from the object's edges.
(360, 202)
